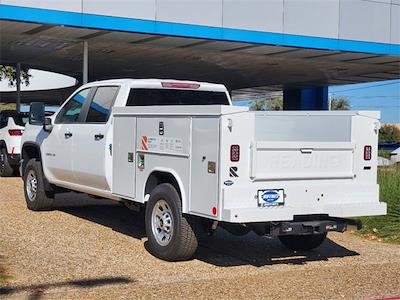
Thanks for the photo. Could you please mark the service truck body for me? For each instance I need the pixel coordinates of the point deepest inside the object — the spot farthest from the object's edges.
(320, 169)
(274, 172)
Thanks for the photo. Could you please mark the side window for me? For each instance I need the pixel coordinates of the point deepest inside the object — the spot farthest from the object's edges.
(70, 112)
(100, 107)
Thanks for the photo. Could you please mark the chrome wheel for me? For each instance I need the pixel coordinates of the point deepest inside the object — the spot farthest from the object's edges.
(162, 222)
(31, 185)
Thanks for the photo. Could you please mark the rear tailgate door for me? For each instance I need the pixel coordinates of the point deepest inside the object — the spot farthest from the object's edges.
(301, 160)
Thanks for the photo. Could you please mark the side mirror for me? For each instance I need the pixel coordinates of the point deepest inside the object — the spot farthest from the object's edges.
(36, 113)
(47, 126)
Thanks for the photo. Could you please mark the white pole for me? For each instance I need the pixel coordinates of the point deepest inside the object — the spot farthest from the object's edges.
(18, 75)
(85, 66)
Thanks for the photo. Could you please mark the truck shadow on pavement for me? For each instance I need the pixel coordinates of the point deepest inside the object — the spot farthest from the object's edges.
(226, 250)
(223, 249)
(36, 291)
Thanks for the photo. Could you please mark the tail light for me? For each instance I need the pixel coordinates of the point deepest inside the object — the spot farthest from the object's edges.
(180, 85)
(235, 153)
(367, 152)
(15, 132)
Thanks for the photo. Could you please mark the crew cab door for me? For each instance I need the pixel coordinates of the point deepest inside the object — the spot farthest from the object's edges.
(92, 142)
(58, 146)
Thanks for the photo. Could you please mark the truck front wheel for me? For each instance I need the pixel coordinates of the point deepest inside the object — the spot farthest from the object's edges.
(302, 242)
(35, 195)
(171, 235)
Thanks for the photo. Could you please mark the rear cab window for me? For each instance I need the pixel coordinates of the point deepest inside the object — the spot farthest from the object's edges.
(150, 97)
(21, 120)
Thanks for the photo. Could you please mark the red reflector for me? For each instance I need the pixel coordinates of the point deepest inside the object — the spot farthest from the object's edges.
(367, 152)
(180, 85)
(235, 152)
(15, 132)
(214, 211)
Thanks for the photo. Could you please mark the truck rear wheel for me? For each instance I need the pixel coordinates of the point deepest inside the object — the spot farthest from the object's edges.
(171, 235)
(302, 242)
(6, 170)
(35, 195)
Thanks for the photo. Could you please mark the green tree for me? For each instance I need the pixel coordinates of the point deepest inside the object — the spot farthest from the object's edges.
(267, 104)
(10, 73)
(389, 133)
(339, 103)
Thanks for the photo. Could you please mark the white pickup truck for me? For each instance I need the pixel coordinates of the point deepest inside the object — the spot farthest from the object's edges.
(182, 152)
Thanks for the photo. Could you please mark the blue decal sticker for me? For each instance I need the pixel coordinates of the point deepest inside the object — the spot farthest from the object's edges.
(270, 196)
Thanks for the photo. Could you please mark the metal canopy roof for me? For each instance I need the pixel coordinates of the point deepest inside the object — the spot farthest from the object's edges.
(237, 65)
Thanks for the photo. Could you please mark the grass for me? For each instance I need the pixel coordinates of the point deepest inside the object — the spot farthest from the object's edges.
(7, 106)
(3, 276)
(386, 227)
(385, 153)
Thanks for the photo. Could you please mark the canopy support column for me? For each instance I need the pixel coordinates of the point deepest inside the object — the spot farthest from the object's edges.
(85, 67)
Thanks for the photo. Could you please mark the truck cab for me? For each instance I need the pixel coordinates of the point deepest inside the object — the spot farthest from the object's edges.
(180, 151)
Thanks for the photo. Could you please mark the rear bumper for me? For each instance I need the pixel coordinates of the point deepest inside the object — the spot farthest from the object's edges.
(240, 204)
(275, 214)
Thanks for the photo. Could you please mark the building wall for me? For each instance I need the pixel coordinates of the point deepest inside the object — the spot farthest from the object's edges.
(359, 20)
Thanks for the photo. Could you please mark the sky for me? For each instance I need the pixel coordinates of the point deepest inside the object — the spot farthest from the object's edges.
(41, 80)
(383, 96)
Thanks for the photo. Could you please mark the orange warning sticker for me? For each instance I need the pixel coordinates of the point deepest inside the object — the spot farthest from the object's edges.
(145, 145)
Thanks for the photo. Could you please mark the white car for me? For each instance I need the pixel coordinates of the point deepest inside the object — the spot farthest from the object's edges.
(11, 129)
(395, 156)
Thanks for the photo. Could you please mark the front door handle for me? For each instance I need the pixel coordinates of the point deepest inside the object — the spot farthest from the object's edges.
(68, 134)
(98, 137)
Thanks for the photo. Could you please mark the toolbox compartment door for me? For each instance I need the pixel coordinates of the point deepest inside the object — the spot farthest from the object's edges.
(204, 166)
(124, 156)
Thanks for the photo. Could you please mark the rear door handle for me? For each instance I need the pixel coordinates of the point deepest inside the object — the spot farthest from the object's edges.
(98, 137)
(68, 134)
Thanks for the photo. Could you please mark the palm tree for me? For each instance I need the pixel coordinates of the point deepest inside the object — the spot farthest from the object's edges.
(339, 103)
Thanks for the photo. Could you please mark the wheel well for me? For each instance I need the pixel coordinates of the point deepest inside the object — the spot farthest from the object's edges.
(29, 151)
(158, 177)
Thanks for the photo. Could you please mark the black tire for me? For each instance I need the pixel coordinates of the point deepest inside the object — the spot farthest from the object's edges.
(182, 243)
(6, 170)
(302, 242)
(41, 200)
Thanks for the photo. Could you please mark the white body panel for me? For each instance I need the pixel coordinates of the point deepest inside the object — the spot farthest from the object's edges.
(317, 169)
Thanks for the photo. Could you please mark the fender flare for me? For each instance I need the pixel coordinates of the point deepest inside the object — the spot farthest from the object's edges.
(178, 179)
(23, 159)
